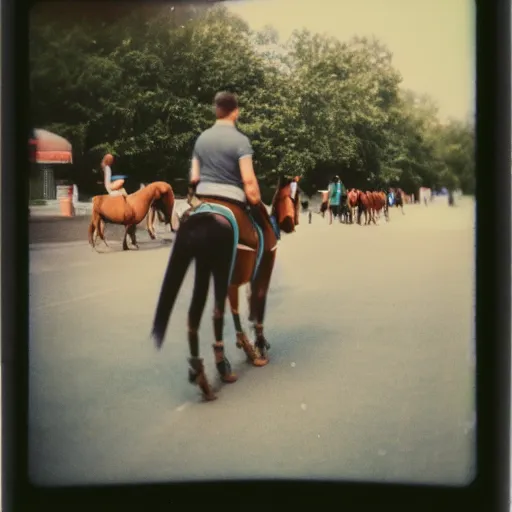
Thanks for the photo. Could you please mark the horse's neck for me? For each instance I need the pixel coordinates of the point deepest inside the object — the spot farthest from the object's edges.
(145, 195)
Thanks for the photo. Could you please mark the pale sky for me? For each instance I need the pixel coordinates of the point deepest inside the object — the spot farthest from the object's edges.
(432, 41)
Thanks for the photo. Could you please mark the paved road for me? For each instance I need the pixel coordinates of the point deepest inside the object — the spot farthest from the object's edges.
(371, 373)
(48, 226)
(54, 229)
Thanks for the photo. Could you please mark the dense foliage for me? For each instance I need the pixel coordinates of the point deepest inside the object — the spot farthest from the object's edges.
(140, 84)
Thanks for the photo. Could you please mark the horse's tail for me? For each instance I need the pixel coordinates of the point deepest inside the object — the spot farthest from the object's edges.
(91, 233)
(177, 266)
(199, 240)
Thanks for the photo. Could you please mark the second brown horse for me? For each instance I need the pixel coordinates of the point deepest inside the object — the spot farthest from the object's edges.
(130, 211)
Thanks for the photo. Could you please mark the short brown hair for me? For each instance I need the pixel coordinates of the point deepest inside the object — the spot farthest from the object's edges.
(225, 103)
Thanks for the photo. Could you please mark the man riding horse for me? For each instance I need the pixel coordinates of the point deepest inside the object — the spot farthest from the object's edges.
(222, 167)
(231, 237)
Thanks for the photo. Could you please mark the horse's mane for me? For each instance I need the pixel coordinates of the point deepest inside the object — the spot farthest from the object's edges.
(282, 181)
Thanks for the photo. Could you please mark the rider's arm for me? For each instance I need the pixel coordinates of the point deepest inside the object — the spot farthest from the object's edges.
(194, 171)
(251, 187)
(195, 167)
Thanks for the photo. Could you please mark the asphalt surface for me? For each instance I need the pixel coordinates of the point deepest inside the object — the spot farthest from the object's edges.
(55, 229)
(371, 373)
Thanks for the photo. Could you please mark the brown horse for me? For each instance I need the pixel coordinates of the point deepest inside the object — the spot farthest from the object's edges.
(352, 199)
(130, 211)
(153, 213)
(363, 206)
(371, 207)
(380, 205)
(208, 237)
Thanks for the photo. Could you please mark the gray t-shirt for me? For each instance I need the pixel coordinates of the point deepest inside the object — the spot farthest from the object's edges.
(219, 150)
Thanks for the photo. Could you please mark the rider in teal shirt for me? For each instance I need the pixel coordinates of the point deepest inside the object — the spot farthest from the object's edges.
(335, 193)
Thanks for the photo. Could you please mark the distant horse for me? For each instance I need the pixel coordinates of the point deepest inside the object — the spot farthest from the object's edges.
(130, 211)
(225, 243)
(380, 204)
(352, 200)
(399, 199)
(345, 210)
(364, 205)
(305, 209)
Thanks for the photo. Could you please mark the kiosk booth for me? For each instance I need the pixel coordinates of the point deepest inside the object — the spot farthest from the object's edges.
(47, 149)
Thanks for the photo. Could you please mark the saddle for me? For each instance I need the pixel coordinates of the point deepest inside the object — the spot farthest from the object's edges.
(246, 231)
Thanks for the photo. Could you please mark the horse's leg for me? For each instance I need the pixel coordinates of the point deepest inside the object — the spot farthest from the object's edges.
(220, 282)
(92, 233)
(101, 232)
(258, 302)
(125, 238)
(132, 231)
(94, 230)
(365, 216)
(242, 341)
(150, 223)
(96, 235)
(197, 374)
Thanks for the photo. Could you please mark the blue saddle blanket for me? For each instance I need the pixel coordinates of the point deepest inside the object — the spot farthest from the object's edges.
(206, 207)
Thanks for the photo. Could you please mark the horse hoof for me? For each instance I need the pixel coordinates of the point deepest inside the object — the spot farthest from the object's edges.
(229, 379)
(249, 351)
(260, 362)
(210, 397)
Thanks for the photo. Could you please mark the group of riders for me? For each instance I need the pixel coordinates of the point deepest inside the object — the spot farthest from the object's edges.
(222, 168)
(345, 204)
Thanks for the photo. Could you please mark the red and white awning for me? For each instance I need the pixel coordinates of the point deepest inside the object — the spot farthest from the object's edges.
(50, 148)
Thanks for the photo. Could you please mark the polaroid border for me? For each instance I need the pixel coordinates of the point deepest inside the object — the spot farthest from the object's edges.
(489, 490)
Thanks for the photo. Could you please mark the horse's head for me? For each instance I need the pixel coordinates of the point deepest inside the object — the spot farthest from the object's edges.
(284, 208)
(164, 201)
